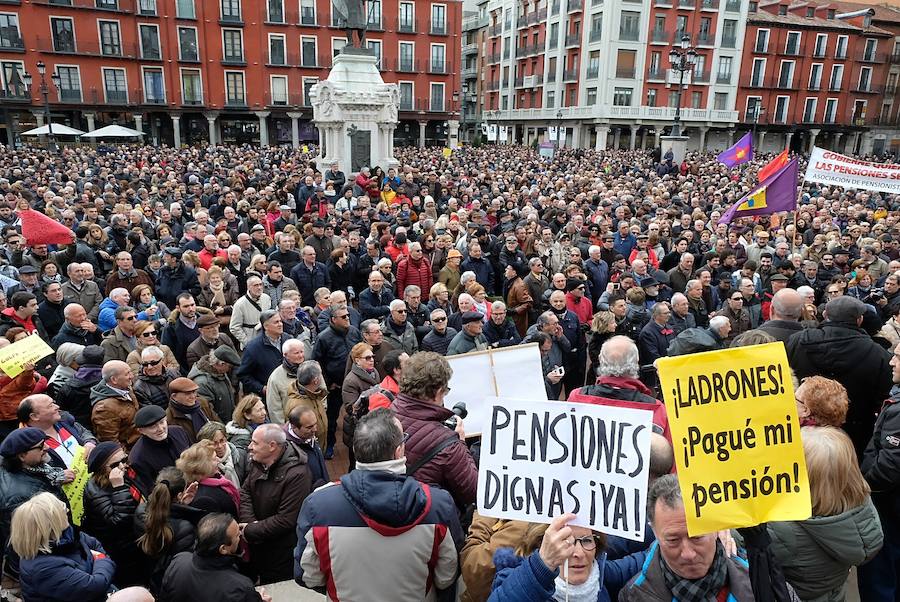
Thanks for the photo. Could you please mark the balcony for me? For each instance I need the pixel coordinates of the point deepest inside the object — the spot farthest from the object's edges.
(625, 72)
(573, 39)
(733, 6)
(522, 22)
(237, 61)
(192, 101)
(69, 95)
(871, 57)
(493, 58)
(840, 54)
(723, 78)
(761, 48)
(596, 35)
(437, 68)
(495, 30)
(629, 35)
(147, 8)
(86, 48)
(493, 86)
(729, 41)
(120, 6)
(593, 72)
(570, 75)
(785, 83)
(814, 86)
(12, 44)
(677, 35)
(406, 27)
(793, 50)
(894, 58)
(474, 21)
(757, 82)
(16, 95)
(231, 20)
(116, 97)
(307, 17)
(687, 3)
(704, 38)
(469, 72)
(470, 49)
(663, 3)
(614, 112)
(701, 77)
(236, 103)
(659, 36)
(574, 6)
(656, 73)
(438, 29)
(868, 89)
(709, 4)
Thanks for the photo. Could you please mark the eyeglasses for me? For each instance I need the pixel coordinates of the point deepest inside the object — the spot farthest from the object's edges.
(130, 318)
(400, 311)
(38, 446)
(151, 363)
(587, 542)
(737, 298)
(833, 292)
(367, 357)
(438, 320)
(121, 462)
(342, 317)
(148, 333)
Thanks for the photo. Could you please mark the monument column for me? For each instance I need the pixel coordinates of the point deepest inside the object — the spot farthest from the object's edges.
(90, 119)
(657, 135)
(617, 136)
(633, 141)
(836, 145)
(602, 133)
(295, 129)
(762, 138)
(453, 133)
(139, 122)
(787, 139)
(422, 125)
(703, 132)
(211, 118)
(263, 127)
(39, 115)
(176, 130)
(813, 134)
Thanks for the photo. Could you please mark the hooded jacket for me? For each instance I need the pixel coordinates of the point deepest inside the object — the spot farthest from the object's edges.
(214, 388)
(378, 536)
(816, 554)
(113, 415)
(74, 396)
(70, 572)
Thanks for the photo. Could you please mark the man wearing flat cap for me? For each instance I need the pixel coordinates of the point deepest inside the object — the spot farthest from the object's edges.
(211, 373)
(158, 447)
(210, 339)
(187, 409)
(470, 338)
(839, 349)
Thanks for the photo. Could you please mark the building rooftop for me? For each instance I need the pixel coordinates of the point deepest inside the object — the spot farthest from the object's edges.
(794, 20)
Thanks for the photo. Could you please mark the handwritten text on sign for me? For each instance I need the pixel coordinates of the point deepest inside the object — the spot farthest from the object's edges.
(14, 357)
(540, 459)
(736, 436)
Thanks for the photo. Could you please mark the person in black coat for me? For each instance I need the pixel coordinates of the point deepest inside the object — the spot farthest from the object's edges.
(175, 278)
(301, 429)
(74, 396)
(182, 329)
(110, 501)
(842, 351)
(331, 351)
(73, 330)
(438, 339)
(309, 275)
(51, 308)
(656, 335)
(500, 331)
(262, 354)
(210, 573)
(159, 446)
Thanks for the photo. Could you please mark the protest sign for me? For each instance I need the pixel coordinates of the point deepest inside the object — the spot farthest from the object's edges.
(736, 437)
(75, 490)
(513, 372)
(540, 459)
(829, 167)
(26, 351)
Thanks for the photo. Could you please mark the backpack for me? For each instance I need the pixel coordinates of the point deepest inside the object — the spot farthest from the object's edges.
(359, 408)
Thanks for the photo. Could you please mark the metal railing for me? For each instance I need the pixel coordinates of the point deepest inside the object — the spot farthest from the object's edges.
(729, 41)
(12, 43)
(629, 34)
(596, 35)
(656, 73)
(733, 6)
(625, 72)
(660, 36)
(570, 75)
(593, 72)
(573, 39)
(723, 78)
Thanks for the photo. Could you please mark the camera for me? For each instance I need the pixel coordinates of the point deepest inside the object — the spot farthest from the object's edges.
(460, 412)
(876, 294)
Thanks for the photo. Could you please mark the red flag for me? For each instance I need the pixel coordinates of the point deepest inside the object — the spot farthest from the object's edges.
(38, 229)
(773, 167)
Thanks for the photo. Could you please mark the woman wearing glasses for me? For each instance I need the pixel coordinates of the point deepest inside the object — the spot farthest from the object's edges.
(110, 500)
(147, 335)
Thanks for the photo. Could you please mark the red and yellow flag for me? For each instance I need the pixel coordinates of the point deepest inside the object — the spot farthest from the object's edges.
(774, 166)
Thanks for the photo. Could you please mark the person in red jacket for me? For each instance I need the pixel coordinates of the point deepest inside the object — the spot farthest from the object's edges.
(618, 384)
(414, 269)
(420, 409)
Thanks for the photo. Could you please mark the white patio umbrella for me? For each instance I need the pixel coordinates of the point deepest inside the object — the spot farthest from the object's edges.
(113, 131)
(58, 130)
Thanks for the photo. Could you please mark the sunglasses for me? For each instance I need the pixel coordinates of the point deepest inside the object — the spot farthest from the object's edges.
(122, 462)
(367, 357)
(439, 319)
(345, 316)
(151, 363)
(400, 311)
(131, 318)
(149, 333)
(38, 446)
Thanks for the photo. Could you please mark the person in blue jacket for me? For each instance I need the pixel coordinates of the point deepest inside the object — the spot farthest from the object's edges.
(56, 562)
(539, 576)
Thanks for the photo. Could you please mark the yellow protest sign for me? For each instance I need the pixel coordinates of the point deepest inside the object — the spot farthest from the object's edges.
(75, 490)
(447, 152)
(736, 435)
(27, 351)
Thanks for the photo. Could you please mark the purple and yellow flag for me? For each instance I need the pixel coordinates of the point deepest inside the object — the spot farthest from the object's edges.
(741, 152)
(778, 193)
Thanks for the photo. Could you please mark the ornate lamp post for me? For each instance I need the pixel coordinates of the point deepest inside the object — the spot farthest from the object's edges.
(45, 93)
(682, 60)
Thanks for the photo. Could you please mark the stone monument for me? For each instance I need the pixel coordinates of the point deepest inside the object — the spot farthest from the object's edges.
(353, 109)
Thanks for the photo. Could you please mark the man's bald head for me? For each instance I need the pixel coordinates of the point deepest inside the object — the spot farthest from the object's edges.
(662, 456)
(787, 304)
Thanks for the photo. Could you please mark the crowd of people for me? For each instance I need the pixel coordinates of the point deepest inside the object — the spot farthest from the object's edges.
(220, 315)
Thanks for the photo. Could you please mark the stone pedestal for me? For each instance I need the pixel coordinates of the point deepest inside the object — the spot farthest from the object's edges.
(356, 114)
(677, 144)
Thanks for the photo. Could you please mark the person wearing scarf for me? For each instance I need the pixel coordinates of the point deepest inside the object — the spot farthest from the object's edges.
(186, 409)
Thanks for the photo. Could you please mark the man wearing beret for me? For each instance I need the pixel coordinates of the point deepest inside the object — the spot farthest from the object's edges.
(186, 408)
(470, 338)
(158, 447)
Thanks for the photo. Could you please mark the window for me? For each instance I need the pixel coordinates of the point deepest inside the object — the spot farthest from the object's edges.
(674, 98)
(762, 41)
(231, 10)
(150, 42)
(69, 84)
(837, 76)
(622, 97)
(629, 26)
(437, 97)
(504, 102)
(187, 44)
(840, 50)
(786, 74)
(758, 74)
(438, 56)
(696, 100)
(891, 85)
(406, 96)
(754, 108)
(115, 86)
(729, 33)
(147, 7)
(307, 12)
(337, 44)
(821, 45)
(625, 60)
(184, 9)
(596, 27)
(551, 99)
(439, 19)
(554, 36)
(375, 47)
(407, 20)
(591, 98)
(651, 97)
(308, 51)
(233, 44)
(859, 112)
(279, 86)
(154, 86)
(277, 49)
(830, 110)
(234, 88)
(107, 4)
(704, 36)
(191, 87)
(110, 41)
(720, 101)
(9, 31)
(681, 23)
(781, 109)
(700, 73)
(308, 82)
(809, 110)
(723, 76)
(593, 69)
(792, 44)
(815, 76)
(275, 13)
(374, 8)
(870, 50)
(407, 52)
(63, 31)
(865, 79)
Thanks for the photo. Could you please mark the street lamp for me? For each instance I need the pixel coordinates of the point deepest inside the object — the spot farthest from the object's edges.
(45, 93)
(559, 116)
(757, 111)
(682, 60)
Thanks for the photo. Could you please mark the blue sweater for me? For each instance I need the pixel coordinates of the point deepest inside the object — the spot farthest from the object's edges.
(530, 580)
(106, 320)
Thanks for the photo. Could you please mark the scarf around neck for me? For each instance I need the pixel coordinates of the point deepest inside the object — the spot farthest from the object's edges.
(589, 591)
(227, 468)
(397, 466)
(290, 368)
(225, 484)
(53, 475)
(706, 587)
(194, 412)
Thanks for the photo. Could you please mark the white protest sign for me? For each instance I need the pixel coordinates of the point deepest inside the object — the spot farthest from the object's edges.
(832, 168)
(511, 372)
(540, 459)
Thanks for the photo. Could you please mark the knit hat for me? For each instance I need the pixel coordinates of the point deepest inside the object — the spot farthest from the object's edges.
(101, 454)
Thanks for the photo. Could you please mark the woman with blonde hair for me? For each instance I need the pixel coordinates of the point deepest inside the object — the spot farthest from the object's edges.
(816, 554)
(215, 493)
(232, 461)
(603, 328)
(249, 413)
(146, 334)
(439, 298)
(56, 562)
(482, 305)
